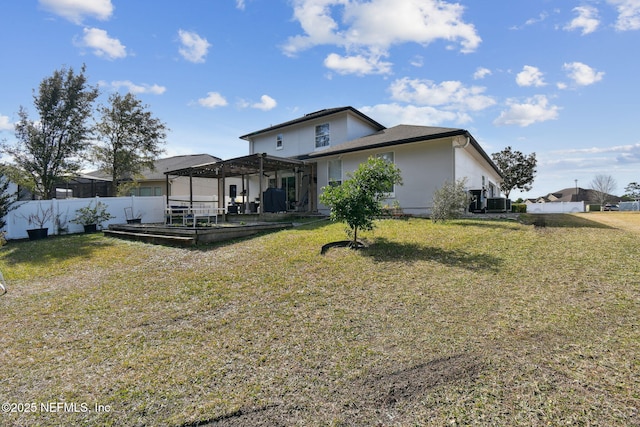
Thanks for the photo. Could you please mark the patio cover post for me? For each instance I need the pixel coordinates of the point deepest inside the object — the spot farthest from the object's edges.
(260, 186)
(191, 189)
(224, 195)
(166, 178)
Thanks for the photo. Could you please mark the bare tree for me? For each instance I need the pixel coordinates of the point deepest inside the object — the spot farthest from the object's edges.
(603, 186)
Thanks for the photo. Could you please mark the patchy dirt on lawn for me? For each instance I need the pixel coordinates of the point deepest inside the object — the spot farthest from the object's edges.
(375, 400)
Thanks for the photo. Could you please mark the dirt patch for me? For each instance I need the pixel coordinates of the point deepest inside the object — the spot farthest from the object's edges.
(368, 401)
(414, 382)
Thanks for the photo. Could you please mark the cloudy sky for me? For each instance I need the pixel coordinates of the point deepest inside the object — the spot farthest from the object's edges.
(554, 77)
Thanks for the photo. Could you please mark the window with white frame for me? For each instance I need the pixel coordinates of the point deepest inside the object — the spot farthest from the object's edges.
(279, 142)
(335, 172)
(388, 157)
(322, 135)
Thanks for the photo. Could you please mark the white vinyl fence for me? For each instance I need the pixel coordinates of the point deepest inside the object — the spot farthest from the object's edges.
(149, 209)
(629, 206)
(556, 207)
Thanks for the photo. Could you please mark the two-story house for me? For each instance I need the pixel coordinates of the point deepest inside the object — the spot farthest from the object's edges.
(290, 163)
(335, 141)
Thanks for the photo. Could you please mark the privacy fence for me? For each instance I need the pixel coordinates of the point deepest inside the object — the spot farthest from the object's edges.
(556, 207)
(60, 212)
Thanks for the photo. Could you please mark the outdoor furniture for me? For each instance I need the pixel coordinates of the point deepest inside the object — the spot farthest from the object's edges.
(186, 215)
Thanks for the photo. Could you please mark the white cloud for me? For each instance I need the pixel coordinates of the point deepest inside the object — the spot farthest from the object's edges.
(102, 45)
(266, 103)
(76, 10)
(587, 20)
(213, 100)
(451, 95)
(359, 65)
(240, 4)
(597, 150)
(5, 124)
(395, 114)
(367, 30)
(628, 14)
(138, 88)
(194, 48)
(534, 110)
(582, 74)
(417, 61)
(481, 73)
(530, 76)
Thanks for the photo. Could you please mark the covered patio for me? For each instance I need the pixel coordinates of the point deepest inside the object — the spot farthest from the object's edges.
(250, 169)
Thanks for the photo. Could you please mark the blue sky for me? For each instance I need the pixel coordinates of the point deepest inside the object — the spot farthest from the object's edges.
(554, 77)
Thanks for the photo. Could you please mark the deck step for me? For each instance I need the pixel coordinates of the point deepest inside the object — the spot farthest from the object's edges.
(160, 239)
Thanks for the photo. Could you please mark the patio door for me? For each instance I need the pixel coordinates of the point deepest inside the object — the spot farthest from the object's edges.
(289, 187)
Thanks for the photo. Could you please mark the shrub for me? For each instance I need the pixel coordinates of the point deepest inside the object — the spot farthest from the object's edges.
(450, 201)
(519, 208)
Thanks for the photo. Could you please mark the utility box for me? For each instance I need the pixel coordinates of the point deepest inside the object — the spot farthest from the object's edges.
(497, 204)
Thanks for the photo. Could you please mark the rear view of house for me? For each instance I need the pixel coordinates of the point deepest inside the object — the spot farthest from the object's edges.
(333, 142)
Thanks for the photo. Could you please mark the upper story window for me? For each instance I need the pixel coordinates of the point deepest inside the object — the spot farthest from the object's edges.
(322, 135)
(279, 142)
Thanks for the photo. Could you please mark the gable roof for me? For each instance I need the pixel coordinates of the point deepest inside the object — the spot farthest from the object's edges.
(312, 116)
(402, 134)
(569, 195)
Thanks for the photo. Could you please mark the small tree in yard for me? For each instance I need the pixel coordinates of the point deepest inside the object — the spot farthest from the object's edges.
(358, 200)
(450, 200)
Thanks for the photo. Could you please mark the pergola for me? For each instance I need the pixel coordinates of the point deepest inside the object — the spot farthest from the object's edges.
(254, 164)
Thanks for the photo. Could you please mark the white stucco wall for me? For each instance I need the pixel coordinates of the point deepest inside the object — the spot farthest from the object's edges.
(424, 167)
(470, 164)
(299, 139)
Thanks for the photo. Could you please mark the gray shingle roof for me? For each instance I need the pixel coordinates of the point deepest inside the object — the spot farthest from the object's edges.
(401, 134)
(165, 165)
(313, 116)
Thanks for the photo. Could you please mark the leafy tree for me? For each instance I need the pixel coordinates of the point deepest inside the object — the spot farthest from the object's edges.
(632, 191)
(7, 200)
(518, 169)
(129, 138)
(52, 147)
(450, 200)
(603, 186)
(358, 200)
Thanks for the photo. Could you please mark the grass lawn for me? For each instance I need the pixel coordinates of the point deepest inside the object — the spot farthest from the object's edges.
(471, 322)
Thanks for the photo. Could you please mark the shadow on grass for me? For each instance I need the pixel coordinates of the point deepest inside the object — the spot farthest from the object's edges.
(385, 250)
(560, 221)
(505, 224)
(54, 248)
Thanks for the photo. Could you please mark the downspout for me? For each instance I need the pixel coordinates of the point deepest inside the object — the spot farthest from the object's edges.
(457, 145)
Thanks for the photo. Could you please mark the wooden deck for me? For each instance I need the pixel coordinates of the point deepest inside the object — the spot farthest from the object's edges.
(190, 236)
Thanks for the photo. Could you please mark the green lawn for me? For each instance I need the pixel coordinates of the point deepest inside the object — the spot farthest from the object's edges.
(469, 322)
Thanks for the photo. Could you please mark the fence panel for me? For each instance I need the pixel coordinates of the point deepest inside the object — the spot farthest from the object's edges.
(61, 212)
(556, 207)
(629, 206)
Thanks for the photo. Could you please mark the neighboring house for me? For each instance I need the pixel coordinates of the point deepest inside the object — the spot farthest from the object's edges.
(153, 182)
(335, 141)
(572, 194)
